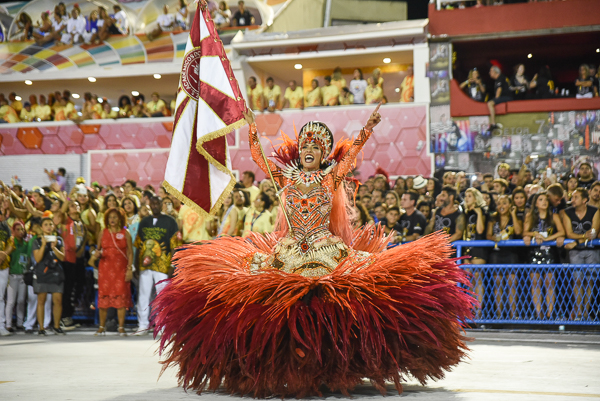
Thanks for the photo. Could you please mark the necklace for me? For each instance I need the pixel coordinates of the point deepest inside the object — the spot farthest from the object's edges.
(308, 178)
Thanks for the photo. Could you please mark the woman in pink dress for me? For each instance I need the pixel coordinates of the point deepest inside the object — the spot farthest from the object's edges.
(114, 269)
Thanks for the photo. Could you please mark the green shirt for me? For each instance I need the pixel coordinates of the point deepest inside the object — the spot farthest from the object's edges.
(20, 257)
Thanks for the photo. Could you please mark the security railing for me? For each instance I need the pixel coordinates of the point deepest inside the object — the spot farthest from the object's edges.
(557, 294)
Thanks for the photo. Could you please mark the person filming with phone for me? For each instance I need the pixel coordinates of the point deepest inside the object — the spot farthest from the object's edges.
(49, 252)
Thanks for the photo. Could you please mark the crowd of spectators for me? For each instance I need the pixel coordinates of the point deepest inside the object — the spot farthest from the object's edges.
(519, 87)
(59, 106)
(452, 4)
(128, 234)
(335, 91)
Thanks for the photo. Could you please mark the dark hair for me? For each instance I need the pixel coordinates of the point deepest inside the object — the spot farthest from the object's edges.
(270, 79)
(62, 171)
(252, 78)
(246, 195)
(519, 190)
(394, 209)
(378, 190)
(488, 175)
(535, 213)
(130, 198)
(363, 213)
(414, 195)
(35, 221)
(148, 193)
(450, 190)
(556, 190)
(584, 193)
(120, 214)
(250, 174)
(132, 183)
(315, 80)
(380, 204)
(595, 184)
(105, 202)
(127, 100)
(266, 199)
(359, 72)
(327, 78)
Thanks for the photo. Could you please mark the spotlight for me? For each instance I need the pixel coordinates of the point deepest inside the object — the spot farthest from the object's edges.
(75, 95)
(387, 60)
(135, 93)
(91, 79)
(28, 82)
(18, 98)
(298, 66)
(529, 55)
(157, 76)
(397, 90)
(100, 100)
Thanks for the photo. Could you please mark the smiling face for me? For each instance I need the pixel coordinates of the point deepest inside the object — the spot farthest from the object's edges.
(310, 156)
(503, 205)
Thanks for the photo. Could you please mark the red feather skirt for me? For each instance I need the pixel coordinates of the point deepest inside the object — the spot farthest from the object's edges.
(398, 313)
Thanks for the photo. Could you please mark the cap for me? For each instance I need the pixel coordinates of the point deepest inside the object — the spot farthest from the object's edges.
(80, 180)
(81, 189)
(419, 182)
(39, 190)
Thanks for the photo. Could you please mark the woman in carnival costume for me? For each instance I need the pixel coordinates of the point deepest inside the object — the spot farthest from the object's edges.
(315, 303)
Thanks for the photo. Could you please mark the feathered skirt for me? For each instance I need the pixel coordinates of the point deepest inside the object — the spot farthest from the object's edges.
(395, 314)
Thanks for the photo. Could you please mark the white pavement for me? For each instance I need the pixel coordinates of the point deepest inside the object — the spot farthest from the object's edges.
(502, 366)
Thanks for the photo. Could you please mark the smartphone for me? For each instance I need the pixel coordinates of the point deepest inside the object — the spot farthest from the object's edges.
(50, 238)
(169, 207)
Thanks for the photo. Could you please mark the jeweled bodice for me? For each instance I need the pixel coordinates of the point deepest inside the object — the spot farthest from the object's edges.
(309, 213)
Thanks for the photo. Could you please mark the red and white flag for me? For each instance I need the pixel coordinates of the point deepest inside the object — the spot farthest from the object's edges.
(209, 106)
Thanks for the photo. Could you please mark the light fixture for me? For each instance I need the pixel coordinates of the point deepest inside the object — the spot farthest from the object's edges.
(91, 79)
(135, 93)
(397, 90)
(100, 100)
(298, 66)
(115, 108)
(18, 98)
(597, 50)
(387, 60)
(28, 82)
(157, 76)
(75, 95)
(529, 55)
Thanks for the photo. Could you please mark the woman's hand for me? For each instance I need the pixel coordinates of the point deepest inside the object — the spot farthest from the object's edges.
(527, 240)
(249, 116)
(538, 238)
(128, 275)
(374, 119)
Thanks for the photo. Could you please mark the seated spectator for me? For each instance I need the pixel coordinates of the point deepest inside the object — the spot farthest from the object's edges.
(255, 95)
(519, 84)
(222, 15)
(330, 93)
(43, 32)
(594, 75)
(373, 93)
(76, 28)
(358, 86)
(156, 107)
(501, 94)
(585, 84)
(543, 84)
(272, 95)
(108, 112)
(124, 107)
(43, 112)
(166, 23)
(242, 17)
(293, 97)
(7, 113)
(346, 98)
(473, 86)
(120, 18)
(106, 26)
(25, 25)
(313, 96)
(59, 27)
(66, 111)
(182, 15)
(337, 79)
(138, 106)
(407, 93)
(27, 114)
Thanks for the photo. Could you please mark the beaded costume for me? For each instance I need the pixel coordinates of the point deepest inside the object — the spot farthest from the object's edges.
(316, 303)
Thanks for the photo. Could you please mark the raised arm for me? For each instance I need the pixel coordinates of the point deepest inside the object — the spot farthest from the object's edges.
(347, 161)
(257, 156)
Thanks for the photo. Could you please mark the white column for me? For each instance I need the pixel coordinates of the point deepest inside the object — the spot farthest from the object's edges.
(420, 60)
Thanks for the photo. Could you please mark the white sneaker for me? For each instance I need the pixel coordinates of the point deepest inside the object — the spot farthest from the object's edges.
(141, 332)
(4, 332)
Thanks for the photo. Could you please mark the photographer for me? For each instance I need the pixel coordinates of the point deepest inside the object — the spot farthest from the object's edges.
(48, 252)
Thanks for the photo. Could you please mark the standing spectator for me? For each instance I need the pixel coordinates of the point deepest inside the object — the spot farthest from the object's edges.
(48, 252)
(5, 236)
(27, 113)
(585, 84)
(124, 107)
(474, 87)
(74, 236)
(358, 86)
(43, 112)
(571, 185)
(586, 175)
(504, 225)
(391, 226)
(373, 92)
(582, 223)
(543, 84)
(475, 229)
(412, 222)
(19, 251)
(420, 185)
(255, 95)
(242, 17)
(407, 93)
(377, 78)
(399, 186)
(88, 210)
(114, 269)
(193, 226)
(448, 217)
(110, 201)
(379, 211)
(272, 95)
(314, 98)
(156, 107)
(7, 113)
(500, 186)
(501, 94)
(346, 98)
(392, 199)
(120, 18)
(330, 93)
(59, 177)
(248, 178)
(223, 15)
(258, 218)
(156, 240)
(556, 198)
(449, 178)
(542, 225)
(234, 222)
(337, 79)
(519, 84)
(294, 96)
(594, 192)
(132, 221)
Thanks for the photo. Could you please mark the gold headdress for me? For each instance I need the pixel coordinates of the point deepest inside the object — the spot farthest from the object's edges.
(319, 133)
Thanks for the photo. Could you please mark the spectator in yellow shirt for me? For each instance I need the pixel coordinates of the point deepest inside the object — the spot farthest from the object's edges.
(14, 103)
(373, 93)
(272, 94)
(156, 107)
(65, 111)
(377, 79)
(7, 113)
(27, 114)
(330, 92)
(337, 79)
(346, 97)
(43, 112)
(294, 96)
(407, 87)
(313, 96)
(255, 95)
(108, 112)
